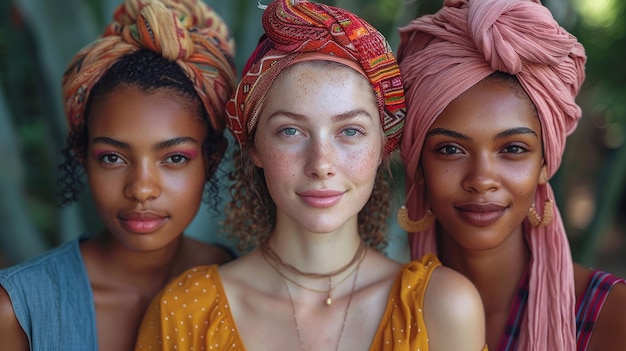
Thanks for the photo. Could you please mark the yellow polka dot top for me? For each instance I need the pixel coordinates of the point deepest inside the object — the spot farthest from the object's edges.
(192, 313)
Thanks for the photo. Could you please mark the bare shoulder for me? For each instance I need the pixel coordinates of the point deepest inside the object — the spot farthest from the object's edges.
(453, 312)
(608, 333)
(11, 333)
(198, 253)
(450, 289)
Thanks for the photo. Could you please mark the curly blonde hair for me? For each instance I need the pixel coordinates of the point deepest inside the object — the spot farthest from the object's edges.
(251, 212)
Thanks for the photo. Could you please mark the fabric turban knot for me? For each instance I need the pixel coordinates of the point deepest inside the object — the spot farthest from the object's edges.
(295, 29)
(185, 31)
(445, 54)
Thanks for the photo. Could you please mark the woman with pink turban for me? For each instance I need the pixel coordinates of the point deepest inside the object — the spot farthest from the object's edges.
(145, 110)
(318, 113)
(491, 88)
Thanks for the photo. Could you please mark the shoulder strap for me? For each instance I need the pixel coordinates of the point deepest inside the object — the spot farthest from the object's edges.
(589, 306)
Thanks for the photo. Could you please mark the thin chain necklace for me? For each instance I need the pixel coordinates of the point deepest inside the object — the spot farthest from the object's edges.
(345, 314)
(277, 263)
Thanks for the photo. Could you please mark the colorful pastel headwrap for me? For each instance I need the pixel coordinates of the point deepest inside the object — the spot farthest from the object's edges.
(298, 30)
(186, 31)
(445, 54)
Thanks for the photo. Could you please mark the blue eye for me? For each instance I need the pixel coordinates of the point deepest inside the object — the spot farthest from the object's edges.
(350, 132)
(290, 131)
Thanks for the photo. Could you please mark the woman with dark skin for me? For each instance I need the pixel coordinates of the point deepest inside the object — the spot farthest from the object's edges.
(146, 127)
(491, 88)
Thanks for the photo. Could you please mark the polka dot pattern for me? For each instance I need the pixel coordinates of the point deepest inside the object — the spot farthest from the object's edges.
(402, 326)
(192, 313)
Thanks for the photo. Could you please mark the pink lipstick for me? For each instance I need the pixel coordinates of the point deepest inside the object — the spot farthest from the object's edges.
(321, 198)
(142, 222)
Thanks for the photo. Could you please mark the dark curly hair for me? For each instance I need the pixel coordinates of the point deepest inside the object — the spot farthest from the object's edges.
(147, 71)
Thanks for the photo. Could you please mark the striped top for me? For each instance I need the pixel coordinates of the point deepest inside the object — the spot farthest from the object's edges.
(590, 304)
(508, 340)
(588, 309)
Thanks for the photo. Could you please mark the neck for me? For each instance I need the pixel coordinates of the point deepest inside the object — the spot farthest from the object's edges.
(105, 256)
(321, 253)
(495, 272)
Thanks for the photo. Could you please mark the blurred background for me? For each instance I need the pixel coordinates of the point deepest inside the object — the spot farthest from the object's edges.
(38, 38)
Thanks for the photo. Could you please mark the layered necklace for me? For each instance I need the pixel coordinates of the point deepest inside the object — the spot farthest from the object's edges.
(278, 265)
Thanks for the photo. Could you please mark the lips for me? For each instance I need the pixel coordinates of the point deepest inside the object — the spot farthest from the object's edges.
(321, 198)
(142, 222)
(481, 214)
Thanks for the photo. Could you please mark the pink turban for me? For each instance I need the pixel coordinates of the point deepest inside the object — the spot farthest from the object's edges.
(185, 31)
(299, 30)
(445, 54)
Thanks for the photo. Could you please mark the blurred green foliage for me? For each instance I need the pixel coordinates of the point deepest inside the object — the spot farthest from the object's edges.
(39, 37)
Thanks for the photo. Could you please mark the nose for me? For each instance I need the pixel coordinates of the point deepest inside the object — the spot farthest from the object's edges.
(320, 156)
(142, 183)
(482, 175)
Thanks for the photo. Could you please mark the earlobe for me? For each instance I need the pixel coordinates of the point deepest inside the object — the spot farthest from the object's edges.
(543, 175)
(255, 157)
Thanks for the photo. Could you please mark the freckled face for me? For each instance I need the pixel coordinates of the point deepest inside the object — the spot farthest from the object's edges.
(482, 161)
(319, 141)
(145, 165)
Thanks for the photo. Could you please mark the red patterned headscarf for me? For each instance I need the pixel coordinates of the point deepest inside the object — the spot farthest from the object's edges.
(445, 54)
(295, 29)
(186, 31)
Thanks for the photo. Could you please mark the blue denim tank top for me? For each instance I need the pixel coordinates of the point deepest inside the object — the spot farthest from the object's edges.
(53, 301)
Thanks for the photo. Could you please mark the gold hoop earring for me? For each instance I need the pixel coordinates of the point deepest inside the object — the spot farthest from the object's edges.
(412, 226)
(548, 213)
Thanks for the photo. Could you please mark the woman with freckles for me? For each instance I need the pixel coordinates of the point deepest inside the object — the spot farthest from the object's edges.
(491, 88)
(144, 105)
(317, 114)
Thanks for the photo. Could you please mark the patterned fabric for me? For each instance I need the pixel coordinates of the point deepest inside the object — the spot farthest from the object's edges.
(443, 55)
(53, 301)
(588, 309)
(297, 27)
(192, 313)
(508, 340)
(185, 31)
(590, 304)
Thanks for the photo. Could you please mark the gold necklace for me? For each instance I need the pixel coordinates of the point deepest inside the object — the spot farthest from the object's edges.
(274, 261)
(329, 300)
(345, 314)
(267, 250)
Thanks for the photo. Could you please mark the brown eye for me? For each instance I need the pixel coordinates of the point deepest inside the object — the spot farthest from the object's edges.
(110, 158)
(177, 159)
(449, 150)
(514, 149)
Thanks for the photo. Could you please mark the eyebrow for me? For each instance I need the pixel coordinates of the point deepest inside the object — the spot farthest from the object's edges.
(339, 117)
(503, 134)
(516, 131)
(449, 133)
(157, 146)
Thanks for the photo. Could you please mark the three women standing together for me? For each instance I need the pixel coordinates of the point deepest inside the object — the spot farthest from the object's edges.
(318, 113)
